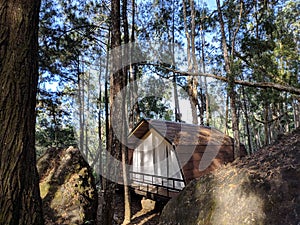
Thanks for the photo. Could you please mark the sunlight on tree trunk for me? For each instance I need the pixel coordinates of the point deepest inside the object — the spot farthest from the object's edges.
(127, 211)
(191, 81)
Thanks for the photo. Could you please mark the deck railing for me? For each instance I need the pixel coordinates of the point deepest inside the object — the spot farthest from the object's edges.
(156, 184)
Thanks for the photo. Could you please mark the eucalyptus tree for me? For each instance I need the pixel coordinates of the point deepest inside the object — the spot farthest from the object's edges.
(230, 63)
(269, 53)
(162, 24)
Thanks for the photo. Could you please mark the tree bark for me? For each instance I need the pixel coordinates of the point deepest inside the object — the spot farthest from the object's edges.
(296, 110)
(116, 82)
(231, 83)
(20, 201)
(207, 97)
(127, 211)
(249, 134)
(175, 89)
(81, 106)
(191, 82)
(195, 66)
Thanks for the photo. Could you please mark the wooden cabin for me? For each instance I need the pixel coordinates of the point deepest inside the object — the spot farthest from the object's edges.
(165, 156)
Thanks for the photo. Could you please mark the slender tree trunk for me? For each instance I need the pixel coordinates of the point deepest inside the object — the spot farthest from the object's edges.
(287, 119)
(127, 211)
(81, 123)
(20, 201)
(249, 140)
(226, 115)
(231, 83)
(106, 106)
(195, 66)
(100, 148)
(134, 116)
(296, 109)
(207, 100)
(258, 138)
(86, 122)
(176, 98)
(191, 86)
(266, 123)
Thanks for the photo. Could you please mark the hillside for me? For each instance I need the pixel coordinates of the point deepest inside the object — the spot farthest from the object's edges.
(260, 189)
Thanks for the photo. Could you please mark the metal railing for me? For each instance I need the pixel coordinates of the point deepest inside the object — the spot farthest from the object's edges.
(155, 183)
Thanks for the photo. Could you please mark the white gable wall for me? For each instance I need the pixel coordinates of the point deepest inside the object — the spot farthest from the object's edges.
(155, 156)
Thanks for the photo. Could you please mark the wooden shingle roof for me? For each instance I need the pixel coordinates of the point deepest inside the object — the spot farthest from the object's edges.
(179, 134)
(199, 149)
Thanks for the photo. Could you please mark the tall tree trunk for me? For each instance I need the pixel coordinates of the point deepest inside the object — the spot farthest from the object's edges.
(195, 66)
(106, 106)
(80, 102)
(231, 83)
(116, 85)
(207, 97)
(175, 90)
(226, 115)
(191, 81)
(127, 211)
(20, 201)
(249, 135)
(86, 121)
(296, 109)
(266, 121)
(134, 116)
(99, 159)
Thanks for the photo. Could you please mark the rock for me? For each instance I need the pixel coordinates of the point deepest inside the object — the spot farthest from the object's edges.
(148, 204)
(67, 187)
(261, 189)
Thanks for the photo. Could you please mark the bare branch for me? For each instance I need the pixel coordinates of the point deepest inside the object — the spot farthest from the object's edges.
(279, 87)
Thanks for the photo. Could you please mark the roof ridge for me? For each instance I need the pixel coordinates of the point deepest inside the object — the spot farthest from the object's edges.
(182, 123)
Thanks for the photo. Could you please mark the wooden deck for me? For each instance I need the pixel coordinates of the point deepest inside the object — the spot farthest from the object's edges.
(155, 186)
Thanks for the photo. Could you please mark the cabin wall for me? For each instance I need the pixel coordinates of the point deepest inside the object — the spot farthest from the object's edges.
(154, 156)
(199, 160)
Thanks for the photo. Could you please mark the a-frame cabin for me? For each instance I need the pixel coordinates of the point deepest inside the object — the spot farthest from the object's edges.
(165, 156)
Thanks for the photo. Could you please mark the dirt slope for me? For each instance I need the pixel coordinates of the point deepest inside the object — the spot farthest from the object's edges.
(260, 189)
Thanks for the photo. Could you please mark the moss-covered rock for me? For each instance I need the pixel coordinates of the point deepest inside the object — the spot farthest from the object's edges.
(67, 187)
(261, 189)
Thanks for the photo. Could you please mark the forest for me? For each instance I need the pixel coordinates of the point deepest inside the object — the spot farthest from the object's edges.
(84, 73)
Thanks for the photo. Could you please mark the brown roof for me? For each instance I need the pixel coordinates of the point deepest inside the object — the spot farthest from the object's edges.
(179, 134)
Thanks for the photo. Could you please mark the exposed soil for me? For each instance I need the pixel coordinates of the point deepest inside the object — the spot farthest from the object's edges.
(259, 189)
(140, 216)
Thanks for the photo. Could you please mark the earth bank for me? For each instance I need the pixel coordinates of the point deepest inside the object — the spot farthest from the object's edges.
(260, 189)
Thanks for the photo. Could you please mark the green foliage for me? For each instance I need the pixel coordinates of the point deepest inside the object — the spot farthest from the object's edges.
(73, 43)
(154, 99)
(53, 127)
(49, 136)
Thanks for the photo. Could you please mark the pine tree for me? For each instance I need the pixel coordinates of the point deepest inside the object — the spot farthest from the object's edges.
(20, 201)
